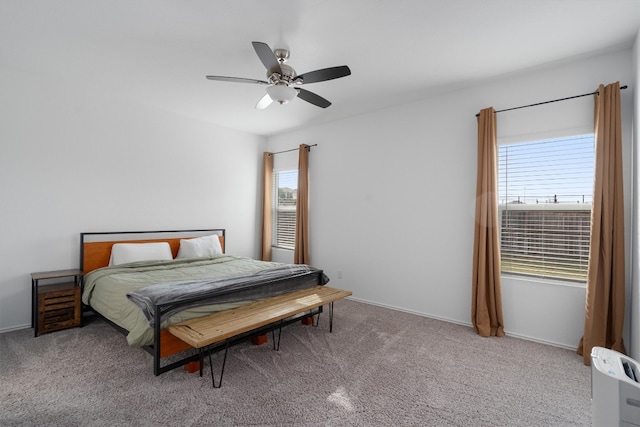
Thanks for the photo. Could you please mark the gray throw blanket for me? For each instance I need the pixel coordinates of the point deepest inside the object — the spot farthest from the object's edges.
(178, 296)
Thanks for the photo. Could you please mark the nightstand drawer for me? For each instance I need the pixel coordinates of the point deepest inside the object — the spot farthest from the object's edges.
(58, 308)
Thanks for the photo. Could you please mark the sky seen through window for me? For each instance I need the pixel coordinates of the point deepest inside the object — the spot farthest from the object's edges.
(558, 170)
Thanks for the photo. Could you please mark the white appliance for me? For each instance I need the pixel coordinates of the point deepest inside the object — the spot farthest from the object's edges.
(615, 389)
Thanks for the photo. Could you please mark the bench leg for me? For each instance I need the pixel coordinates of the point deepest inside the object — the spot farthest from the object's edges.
(317, 319)
(331, 317)
(276, 344)
(224, 362)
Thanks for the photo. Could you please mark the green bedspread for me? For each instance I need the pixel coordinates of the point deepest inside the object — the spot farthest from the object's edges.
(105, 289)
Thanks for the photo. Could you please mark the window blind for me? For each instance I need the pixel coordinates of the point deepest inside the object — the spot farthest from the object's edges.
(545, 194)
(285, 185)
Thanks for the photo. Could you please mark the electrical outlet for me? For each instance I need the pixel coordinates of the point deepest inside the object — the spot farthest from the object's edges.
(339, 274)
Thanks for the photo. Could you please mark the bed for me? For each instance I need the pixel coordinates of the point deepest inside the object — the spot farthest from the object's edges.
(141, 282)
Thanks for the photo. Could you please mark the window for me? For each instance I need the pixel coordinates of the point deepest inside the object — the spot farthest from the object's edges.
(545, 194)
(285, 195)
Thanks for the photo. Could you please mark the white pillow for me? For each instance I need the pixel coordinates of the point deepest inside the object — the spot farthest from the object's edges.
(199, 247)
(122, 253)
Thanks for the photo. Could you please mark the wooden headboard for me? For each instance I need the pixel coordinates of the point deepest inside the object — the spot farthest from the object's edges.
(96, 254)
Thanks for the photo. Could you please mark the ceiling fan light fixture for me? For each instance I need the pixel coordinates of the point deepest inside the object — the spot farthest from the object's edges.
(281, 93)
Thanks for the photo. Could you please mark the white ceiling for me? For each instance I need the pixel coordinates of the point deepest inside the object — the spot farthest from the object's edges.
(157, 52)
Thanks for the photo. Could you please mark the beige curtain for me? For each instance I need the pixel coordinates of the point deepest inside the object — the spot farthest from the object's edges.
(486, 304)
(301, 250)
(604, 308)
(267, 203)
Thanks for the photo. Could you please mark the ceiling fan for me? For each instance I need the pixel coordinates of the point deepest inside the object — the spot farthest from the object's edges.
(283, 82)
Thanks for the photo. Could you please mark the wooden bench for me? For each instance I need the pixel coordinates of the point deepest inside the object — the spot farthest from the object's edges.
(223, 326)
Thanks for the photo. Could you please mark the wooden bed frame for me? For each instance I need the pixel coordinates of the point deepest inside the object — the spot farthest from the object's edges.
(96, 254)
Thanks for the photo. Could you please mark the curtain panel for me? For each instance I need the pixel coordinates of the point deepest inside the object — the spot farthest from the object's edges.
(486, 303)
(267, 204)
(605, 300)
(301, 248)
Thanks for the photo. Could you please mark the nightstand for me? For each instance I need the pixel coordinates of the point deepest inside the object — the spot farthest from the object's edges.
(55, 305)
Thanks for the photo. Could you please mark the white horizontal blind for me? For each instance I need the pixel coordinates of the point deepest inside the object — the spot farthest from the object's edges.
(545, 195)
(285, 186)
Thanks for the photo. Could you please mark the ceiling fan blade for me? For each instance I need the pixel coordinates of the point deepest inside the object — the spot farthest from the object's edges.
(324, 74)
(312, 98)
(264, 102)
(237, 80)
(267, 57)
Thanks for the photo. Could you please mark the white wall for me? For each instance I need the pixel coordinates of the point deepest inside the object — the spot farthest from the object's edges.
(392, 196)
(73, 162)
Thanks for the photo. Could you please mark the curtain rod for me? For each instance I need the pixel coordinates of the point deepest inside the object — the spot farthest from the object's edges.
(293, 149)
(549, 102)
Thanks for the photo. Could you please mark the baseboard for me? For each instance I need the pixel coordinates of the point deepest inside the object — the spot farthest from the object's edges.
(551, 343)
(15, 328)
(417, 313)
(457, 322)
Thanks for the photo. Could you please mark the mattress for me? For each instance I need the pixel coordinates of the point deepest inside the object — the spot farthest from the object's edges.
(106, 289)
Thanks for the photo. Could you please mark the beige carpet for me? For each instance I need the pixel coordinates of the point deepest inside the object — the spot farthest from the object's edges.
(379, 367)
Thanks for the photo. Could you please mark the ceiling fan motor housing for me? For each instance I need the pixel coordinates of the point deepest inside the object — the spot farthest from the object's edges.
(288, 75)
